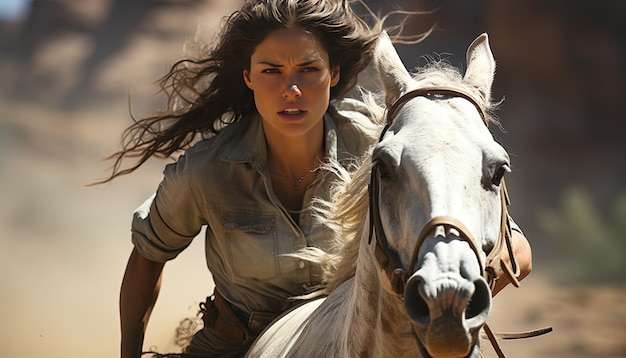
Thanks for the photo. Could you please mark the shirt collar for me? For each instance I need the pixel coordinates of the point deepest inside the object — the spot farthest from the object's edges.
(247, 143)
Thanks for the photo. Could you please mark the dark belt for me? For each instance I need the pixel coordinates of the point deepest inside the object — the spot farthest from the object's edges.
(232, 323)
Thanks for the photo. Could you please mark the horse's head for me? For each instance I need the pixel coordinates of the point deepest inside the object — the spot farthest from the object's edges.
(436, 207)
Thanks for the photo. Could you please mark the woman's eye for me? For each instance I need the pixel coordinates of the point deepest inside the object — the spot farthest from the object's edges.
(310, 69)
(270, 70)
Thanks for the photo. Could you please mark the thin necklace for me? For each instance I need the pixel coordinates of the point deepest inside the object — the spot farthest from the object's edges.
(298, 181)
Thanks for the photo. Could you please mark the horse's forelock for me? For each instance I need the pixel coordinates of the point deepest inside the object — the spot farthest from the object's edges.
(442, 73)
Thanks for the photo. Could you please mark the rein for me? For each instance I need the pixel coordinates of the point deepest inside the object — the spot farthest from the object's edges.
(388, 259)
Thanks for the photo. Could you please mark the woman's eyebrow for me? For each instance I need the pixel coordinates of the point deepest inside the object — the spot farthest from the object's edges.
(269, 64)
(310, 62)
(305, 63)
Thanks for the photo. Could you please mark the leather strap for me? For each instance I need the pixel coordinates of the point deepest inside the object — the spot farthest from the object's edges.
(434, 91)
(219, 314)
(517, 335)
(494, 264)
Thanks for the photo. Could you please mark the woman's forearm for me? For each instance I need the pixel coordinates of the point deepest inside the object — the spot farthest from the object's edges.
(138, 294)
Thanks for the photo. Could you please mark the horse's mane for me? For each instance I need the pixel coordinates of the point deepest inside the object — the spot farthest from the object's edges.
(346, 210)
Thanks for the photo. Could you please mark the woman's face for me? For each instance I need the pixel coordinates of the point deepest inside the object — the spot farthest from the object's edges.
(291, 78)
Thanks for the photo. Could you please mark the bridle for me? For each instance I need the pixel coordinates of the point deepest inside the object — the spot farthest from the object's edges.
(493, 266)
(389, 260)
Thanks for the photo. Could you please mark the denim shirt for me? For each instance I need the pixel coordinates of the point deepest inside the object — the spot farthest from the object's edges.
(223, 183)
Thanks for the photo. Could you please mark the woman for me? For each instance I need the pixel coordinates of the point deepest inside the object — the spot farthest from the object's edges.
(256, 120)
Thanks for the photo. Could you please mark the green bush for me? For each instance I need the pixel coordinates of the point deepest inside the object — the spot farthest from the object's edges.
(588, 246)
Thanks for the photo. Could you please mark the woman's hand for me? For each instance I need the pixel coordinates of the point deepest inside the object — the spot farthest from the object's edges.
(523, 257)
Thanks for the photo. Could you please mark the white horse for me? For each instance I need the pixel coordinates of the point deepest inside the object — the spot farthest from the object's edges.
(414, 273)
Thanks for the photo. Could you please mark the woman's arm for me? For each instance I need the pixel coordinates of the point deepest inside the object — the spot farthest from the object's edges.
(523, 256)
(140, 288)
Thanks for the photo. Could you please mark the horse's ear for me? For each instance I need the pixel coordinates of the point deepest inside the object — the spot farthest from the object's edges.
(394, 76)
(481, 66)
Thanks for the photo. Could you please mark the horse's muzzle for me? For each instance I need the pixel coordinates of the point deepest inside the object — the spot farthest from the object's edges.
(447, 312)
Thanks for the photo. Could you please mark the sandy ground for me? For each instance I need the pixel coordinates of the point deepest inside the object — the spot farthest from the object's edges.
(63, 248)
(588, 321)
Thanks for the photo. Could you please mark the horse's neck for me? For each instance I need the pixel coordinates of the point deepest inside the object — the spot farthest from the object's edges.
(377, 325)
(358, 319)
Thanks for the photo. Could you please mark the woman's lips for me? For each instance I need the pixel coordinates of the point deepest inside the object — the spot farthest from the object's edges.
(292, 111)
(292, 114)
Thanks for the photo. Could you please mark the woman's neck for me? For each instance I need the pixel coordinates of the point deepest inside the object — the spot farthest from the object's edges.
(295, 156)
(292, 164)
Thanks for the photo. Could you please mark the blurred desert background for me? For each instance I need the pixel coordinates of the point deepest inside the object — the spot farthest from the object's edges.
(71, 71)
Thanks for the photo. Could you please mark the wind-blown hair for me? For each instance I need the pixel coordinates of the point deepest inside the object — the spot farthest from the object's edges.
(207, 92)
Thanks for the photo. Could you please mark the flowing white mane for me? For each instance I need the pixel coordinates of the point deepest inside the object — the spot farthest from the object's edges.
(346, 211)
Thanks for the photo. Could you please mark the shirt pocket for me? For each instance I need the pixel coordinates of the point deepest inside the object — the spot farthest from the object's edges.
(252, 246)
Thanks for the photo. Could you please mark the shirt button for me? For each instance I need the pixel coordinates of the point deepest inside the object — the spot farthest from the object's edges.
(301, 264)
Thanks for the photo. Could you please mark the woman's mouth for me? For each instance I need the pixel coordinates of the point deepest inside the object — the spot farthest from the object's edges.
(292, 114)
(291, 111)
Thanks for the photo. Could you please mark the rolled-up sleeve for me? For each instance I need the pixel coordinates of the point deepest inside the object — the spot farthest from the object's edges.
(165, 224)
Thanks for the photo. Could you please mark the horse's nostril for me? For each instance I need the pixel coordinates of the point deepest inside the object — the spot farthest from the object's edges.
(417, 305)
(480, 301)
(414, 303)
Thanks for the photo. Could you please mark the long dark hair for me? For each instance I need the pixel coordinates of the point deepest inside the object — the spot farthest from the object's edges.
(207, 92)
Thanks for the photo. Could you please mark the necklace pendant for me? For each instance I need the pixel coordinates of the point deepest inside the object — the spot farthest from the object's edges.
(296, 186)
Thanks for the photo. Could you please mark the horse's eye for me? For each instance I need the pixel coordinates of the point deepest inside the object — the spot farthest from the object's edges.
(499, 174)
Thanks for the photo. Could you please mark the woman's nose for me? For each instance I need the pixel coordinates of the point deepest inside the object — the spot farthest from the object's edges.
(292, 91)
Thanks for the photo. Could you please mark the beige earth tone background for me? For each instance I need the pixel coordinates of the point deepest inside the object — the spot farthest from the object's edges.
(68, 69)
